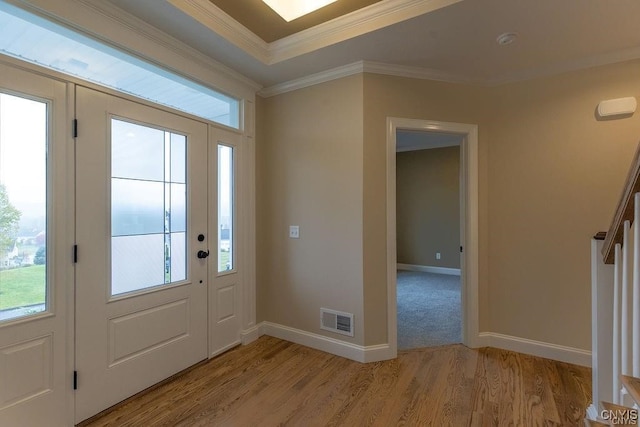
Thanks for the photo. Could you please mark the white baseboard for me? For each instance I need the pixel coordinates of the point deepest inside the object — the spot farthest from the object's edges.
(375, 353)
(250, 335)
(430, 269)
(561, 353)
(355, 352)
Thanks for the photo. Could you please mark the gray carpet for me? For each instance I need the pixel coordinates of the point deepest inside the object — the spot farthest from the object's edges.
(429, 309)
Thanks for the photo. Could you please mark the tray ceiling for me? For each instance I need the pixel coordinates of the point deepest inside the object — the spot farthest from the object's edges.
(261, 20)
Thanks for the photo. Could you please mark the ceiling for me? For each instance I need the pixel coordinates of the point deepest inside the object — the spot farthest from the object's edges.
(269, 26)
(451, 40)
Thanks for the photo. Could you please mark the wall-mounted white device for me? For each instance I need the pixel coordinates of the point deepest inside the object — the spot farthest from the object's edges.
(617, 107)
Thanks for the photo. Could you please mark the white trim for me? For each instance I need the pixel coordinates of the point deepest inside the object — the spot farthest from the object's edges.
(70, 237)
(359, 22)
(313, 79)
(392, 250)
(429, 269)
(438, 75)
(251, 334)
(414, 72)
(363, 354)
(376, 353)
(214, 18)
(357, 68)
(602, 293)
(248, 220)
(469, 223)
(561, 353)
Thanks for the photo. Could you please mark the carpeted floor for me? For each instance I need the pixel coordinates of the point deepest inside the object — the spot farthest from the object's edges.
(429, 309)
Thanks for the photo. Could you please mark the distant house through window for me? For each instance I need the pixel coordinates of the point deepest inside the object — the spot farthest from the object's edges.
(23, 207)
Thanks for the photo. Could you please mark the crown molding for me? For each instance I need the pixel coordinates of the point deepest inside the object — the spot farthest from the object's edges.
(313, 79)
(415, 73)
(365, 20)
(217, 20)
(363, 67)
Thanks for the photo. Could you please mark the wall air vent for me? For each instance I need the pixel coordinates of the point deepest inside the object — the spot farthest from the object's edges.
(336, 321)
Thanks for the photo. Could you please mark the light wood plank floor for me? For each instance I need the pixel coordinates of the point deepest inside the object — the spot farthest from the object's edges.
(273, 382)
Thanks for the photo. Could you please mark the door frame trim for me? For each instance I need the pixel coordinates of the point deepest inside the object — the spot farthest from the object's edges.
(469, 223)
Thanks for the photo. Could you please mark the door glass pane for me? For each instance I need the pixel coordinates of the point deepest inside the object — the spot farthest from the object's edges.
(148, 207)
(23, 207)
(137, 151)
(138, 262)
(137, 207)
(225, 208)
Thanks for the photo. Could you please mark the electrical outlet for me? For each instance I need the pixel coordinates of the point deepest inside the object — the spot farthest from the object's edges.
(437, 255)
(294, 232)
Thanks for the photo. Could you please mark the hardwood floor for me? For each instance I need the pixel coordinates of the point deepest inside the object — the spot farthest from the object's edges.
(273, 382)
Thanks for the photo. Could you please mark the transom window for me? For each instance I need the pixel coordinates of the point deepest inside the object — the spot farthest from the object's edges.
(28, 37)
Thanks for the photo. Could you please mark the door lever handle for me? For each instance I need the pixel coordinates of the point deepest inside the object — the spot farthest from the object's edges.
(202, 254)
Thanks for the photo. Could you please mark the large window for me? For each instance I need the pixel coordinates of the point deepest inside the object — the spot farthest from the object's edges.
(23, 207)
(31, 38)
(148, 207)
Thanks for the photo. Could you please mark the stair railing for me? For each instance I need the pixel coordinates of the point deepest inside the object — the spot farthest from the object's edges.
(616, 301)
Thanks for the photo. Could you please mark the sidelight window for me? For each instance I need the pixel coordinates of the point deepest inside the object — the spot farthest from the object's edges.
(23, 207)
(225, 208)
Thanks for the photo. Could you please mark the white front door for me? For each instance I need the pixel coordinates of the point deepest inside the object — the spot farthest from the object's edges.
(141, 275)
(36, 269)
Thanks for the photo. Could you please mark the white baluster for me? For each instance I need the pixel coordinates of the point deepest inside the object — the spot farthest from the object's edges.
(636, 288)
(625, 312)
(617, 279)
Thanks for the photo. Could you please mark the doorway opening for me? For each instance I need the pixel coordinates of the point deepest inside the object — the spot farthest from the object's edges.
(468, 220)
(428, 238)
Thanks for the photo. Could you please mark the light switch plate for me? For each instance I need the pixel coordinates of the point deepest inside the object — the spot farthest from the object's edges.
(294, 231)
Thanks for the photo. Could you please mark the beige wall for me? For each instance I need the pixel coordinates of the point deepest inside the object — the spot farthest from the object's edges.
(428, 207)
(309, 173)
(408, 98)
(549, 178)
(555, 174)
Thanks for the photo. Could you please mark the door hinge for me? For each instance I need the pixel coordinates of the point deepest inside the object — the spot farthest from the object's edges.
(75, 380)
(460, 249)
(75, 254)
(74, 126)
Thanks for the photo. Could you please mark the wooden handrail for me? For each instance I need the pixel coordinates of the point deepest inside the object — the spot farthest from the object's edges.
(625, 210)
